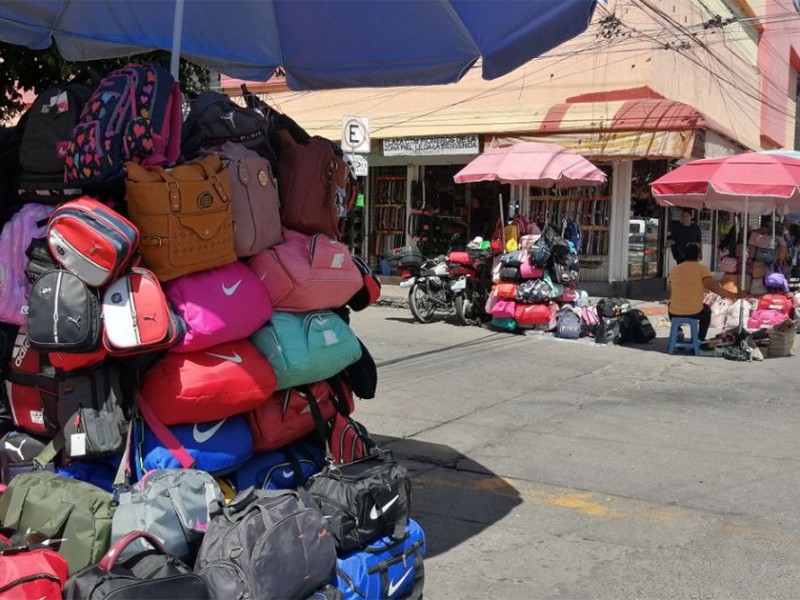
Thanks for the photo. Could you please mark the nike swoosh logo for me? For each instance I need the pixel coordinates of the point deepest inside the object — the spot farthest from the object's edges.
(235, 358)
(230, 291)
(287, 474)
(393, 587)
(201, 437)
(373, 514)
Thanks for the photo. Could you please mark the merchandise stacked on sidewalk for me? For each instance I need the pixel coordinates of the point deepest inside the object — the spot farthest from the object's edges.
(536, 288)
(179, 368)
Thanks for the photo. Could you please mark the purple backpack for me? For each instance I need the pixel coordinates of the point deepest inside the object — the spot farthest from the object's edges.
(133, 115)
(29, 223)
(776, 279)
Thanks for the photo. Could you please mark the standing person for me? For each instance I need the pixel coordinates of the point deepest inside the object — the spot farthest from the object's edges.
(687, 284)
(683, 234)
(479, 220)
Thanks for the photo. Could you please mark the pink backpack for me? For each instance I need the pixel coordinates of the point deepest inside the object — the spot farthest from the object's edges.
(29, 223)
(307, 273)
(504, 309)
(220, 305)
(589, 319)
(254, 194)
(762, 318)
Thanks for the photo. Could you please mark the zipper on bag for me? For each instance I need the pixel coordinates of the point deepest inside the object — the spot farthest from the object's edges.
(28, 579)
(55, 305)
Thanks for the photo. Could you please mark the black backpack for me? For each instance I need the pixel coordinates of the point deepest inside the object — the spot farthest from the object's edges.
(607, 331)
(267, 544)
(612, 307)
(40, 259)
(63, 314)
(45, 143)
(636, 328)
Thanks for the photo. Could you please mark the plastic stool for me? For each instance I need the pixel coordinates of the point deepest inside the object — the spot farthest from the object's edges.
(694, 337)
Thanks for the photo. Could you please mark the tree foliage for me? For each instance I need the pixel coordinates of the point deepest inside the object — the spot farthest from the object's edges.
(38, 70)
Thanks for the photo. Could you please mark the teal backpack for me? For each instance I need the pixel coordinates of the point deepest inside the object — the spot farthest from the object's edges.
(306, 347)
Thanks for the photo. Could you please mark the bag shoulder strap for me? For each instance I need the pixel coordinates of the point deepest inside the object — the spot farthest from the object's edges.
(164, 435)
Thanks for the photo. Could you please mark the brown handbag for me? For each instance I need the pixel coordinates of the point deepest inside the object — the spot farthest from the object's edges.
(184, 216)
(314, 186)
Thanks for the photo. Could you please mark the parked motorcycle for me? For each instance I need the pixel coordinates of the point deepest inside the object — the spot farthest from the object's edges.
(430, 287)
(472, 271)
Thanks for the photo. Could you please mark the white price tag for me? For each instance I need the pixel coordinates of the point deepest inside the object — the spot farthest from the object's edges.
(78, 444)
(330, 337)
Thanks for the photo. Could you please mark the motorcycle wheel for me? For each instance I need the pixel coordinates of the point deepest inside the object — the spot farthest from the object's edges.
(421, 306)
(464, 310)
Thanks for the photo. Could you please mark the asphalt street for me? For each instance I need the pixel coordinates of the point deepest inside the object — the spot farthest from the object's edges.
(545, 468)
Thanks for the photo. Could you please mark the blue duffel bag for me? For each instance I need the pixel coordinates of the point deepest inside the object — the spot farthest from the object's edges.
(287, 468)
(387, 568)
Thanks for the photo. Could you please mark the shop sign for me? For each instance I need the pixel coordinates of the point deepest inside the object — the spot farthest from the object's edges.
(359, 164)
(431, 146)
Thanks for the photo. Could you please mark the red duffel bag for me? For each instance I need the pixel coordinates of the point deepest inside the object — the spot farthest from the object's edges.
(781, 302)
(286, 416)
(217, 383)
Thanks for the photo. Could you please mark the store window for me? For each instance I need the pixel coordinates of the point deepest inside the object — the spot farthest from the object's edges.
(387, 205)
(439, 216)
(644, 234)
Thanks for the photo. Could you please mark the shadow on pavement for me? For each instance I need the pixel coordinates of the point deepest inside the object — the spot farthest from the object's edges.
(453, 497)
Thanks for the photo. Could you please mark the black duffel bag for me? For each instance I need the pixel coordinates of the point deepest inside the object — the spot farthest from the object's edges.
(149, 574)
(363, 500)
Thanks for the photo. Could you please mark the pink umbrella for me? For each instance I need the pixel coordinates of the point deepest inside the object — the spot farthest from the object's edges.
(532, 163)
(752, 182)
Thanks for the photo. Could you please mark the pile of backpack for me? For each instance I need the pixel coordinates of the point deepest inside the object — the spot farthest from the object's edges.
(613, 321)
(535, 287)
(179, 371)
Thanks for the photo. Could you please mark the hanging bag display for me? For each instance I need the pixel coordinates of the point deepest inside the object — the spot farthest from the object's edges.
(363, 500)
(306, 273)
(63, 314)
(386, 568)
(92, 241)
(184, 216)
(150, 573)
(137, 317)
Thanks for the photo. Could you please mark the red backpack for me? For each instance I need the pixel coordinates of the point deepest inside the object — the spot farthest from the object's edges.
(133, 115)
(30, 573)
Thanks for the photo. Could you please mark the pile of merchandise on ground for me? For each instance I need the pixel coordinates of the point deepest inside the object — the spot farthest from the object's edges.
(535, 288)
(179, 370)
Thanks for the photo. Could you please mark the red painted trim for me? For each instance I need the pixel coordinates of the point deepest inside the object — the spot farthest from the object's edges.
(639, 93)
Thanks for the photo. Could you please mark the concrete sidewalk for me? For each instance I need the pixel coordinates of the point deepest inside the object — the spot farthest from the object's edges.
(395, 296)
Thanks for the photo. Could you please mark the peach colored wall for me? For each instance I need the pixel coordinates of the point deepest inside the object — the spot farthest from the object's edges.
(778, 61)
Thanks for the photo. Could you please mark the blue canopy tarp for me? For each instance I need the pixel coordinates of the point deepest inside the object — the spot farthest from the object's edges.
(321, 44)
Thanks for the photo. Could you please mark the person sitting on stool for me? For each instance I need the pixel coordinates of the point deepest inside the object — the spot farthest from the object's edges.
(687, 284)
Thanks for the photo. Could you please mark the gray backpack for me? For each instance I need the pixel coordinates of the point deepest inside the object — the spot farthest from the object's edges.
(267, 545)
(175, 505)
(568, 324)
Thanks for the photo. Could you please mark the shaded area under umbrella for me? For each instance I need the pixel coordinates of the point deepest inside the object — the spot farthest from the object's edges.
(535, 164)
(752, 182)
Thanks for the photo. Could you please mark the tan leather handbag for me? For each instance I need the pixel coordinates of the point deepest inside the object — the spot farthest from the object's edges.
(184, 216)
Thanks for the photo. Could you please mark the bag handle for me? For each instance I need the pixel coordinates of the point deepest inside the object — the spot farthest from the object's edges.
(319, 422)
(173, 188)
(109, 561)
(164, 435)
